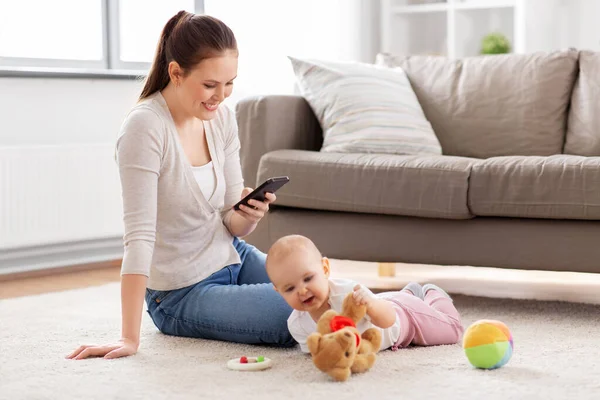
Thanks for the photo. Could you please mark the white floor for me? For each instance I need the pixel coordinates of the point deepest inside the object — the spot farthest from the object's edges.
(478, 281)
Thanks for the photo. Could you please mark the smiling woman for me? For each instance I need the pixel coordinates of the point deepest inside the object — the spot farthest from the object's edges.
(178, 157)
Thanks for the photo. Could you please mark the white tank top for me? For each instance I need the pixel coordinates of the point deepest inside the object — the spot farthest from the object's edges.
(207, 181)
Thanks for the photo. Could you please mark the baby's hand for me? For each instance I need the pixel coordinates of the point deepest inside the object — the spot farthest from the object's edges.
(362, 295)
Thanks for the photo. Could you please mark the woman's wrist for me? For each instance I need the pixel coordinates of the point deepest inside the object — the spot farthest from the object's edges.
(134, 341)
(240, 226)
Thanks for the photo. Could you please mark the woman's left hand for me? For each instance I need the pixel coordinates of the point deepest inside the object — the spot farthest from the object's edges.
(257, 209)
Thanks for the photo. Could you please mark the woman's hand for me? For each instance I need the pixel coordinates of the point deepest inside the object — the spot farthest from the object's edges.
(257, 209)
(122, 348)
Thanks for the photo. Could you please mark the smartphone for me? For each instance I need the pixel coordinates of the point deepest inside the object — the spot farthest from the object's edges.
(271, 185)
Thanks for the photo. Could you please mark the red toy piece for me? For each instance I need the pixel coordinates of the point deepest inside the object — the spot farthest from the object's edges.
(340, 322)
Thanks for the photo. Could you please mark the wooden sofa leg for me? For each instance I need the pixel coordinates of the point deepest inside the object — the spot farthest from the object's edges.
(386, 269)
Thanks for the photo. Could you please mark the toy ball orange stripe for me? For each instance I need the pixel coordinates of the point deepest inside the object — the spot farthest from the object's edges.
(500, 326)
(486, 332)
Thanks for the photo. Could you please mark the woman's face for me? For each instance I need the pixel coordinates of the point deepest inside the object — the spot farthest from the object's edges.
(209, 83)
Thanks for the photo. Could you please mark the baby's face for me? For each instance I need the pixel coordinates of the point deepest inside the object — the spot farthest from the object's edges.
(302, 281)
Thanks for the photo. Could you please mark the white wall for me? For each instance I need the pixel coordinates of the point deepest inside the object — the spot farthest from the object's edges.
(268, 31)
(369, 35)
(585, 21)
(49, 193)
(38, 111)
(560, 24)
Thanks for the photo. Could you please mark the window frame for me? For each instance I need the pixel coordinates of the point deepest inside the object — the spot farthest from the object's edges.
(110, 66)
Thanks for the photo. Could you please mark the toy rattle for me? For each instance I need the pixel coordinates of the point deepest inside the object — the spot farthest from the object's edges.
(249, 363)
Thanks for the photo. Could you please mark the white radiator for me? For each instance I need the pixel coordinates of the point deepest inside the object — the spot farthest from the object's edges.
(52, 195)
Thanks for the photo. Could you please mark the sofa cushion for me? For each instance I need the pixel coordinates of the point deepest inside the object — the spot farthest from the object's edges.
(513, 104)
(583, 132)
(561, 186)
(421, 186)
(364, 108)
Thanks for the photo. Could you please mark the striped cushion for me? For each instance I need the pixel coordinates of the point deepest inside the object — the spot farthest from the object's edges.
(364, 108)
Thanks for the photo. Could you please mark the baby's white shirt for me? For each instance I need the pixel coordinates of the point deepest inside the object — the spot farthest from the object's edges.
(301, 324)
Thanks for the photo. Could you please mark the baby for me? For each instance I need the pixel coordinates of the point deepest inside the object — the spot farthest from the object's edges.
(415, 315)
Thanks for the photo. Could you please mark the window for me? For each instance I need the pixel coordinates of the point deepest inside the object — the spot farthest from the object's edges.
(51, 33)
(85, 34)
(112, 36)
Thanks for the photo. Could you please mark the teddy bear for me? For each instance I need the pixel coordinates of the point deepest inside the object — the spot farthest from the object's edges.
(337, 347)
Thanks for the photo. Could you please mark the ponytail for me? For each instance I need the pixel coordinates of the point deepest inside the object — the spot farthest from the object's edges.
(187, 39)
(158, 77)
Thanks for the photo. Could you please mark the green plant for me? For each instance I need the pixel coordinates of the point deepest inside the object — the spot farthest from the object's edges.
(495, 43)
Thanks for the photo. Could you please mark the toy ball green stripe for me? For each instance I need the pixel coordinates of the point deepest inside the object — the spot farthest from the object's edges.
(488, 344)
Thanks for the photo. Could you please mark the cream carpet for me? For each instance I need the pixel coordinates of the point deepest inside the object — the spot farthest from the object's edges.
(556, 357)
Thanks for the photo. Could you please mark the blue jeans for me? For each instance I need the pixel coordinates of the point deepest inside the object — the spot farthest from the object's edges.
(235, 304)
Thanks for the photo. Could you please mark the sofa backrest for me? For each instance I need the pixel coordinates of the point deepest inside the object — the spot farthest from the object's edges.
(583, 129)
(486, 106)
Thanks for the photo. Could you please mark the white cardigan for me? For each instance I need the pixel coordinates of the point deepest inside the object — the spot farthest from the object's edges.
(173, 234)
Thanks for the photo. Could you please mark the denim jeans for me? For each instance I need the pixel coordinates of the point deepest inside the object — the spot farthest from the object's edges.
(235, 304)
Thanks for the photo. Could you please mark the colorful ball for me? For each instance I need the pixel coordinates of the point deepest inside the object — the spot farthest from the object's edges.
(488, 344)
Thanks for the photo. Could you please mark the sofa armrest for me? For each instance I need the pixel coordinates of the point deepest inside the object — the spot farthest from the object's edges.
(274, 122)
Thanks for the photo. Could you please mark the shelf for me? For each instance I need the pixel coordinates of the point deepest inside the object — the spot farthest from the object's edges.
(483, 5)
(474, 23)
(420, 8)
(441, 7)
(455, 28)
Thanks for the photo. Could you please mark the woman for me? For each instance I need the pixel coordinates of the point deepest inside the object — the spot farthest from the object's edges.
(178, 156)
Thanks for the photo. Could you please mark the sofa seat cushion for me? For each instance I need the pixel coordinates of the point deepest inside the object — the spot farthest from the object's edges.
(560, 186)
(421, 186)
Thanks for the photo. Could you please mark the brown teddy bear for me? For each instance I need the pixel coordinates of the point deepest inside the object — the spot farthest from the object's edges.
(338, 348)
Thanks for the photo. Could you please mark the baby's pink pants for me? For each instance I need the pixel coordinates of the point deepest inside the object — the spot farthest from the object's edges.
(428, 322)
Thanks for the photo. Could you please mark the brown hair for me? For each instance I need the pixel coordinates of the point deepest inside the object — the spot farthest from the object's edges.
(187, 38)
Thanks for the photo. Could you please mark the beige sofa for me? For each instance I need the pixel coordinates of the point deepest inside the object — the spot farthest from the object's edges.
(518, 185)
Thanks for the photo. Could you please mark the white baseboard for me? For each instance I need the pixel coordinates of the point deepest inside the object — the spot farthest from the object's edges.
(37, 258)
